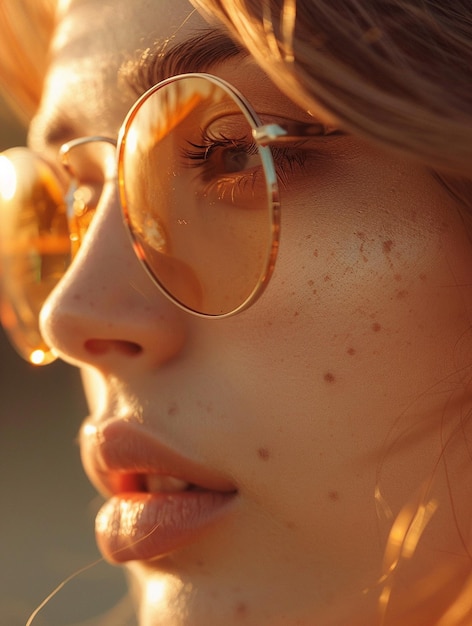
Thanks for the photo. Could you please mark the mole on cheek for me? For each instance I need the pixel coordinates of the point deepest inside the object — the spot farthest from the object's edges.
(263, 454)
(387, 246)
(173, 409)
(402, 294)
(351, 351)
(241, 610)
(311, 284)
(329, 377)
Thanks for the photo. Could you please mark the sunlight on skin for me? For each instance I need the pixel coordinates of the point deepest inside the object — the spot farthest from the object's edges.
(340, 383)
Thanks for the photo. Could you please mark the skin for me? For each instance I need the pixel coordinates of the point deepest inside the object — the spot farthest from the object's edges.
(346, 376)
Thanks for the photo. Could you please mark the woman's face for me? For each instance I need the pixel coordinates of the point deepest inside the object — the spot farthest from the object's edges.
(305, 424)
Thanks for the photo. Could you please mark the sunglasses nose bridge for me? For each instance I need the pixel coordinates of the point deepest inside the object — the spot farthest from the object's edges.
(66, 149)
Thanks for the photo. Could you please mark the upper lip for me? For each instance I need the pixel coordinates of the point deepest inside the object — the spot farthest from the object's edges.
(119, 454)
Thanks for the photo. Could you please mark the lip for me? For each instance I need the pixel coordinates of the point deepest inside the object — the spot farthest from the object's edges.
(121, 458)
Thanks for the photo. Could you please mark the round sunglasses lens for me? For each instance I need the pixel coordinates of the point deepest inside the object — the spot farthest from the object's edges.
(195, 195)
(34, 247)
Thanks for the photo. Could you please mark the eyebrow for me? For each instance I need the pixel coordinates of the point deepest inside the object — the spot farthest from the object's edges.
(198, 53)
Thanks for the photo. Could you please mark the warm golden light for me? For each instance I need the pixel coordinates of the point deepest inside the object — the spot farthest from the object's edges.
(132, 140)
(7, 179)
(37, 357)
(156, 591)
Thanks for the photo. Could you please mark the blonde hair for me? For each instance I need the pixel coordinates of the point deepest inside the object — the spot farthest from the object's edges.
(398, 72)
(26, 28)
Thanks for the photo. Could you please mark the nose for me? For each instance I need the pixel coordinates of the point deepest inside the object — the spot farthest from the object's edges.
(106, 311)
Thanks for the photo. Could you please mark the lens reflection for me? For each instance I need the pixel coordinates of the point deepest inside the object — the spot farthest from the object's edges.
(34, 247)
(195, 195)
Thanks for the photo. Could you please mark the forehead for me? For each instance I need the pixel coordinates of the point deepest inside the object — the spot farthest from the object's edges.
(120, 24)
(93, 39)
(85, 93)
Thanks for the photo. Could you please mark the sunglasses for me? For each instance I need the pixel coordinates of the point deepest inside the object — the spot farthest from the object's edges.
(199, 195)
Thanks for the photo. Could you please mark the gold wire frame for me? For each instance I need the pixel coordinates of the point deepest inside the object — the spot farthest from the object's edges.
(263, 135)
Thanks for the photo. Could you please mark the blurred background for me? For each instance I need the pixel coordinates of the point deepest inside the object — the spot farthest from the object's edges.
(47, 506)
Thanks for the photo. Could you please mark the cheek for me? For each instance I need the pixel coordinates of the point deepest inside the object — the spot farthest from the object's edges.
(369, 287)
(349, 367)
(358, 335)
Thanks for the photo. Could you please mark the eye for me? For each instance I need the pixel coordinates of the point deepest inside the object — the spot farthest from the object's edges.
(220, 156)
(236, 156)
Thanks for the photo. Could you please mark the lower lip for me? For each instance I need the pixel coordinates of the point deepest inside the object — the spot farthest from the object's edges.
(143, 526)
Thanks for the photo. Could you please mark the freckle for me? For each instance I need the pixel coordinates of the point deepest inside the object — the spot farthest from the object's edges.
(173, 410)
(309, 236)
(329, 377)
(290, 525)
(315, 253)
(387, 246)
(263, 454)
(397, 277)
(376, 327)
(311, 283)
(315, 291)
(77, 297)
(351, 351)
(241, 610)
(296, 314)
(333, 496)
(423, 277)
(327, 278)
(402, 294)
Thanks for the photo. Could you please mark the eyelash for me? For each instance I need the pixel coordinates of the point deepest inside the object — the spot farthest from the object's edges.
(286, 159)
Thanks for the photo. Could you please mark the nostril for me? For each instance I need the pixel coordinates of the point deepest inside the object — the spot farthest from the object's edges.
(103, 346)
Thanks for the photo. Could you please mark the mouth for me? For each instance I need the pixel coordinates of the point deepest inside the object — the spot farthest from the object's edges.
(164, 484)
(151, 483)
(157, 500)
